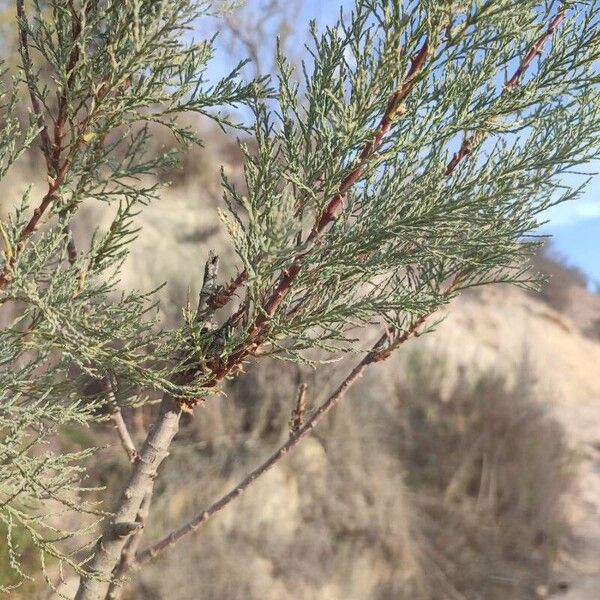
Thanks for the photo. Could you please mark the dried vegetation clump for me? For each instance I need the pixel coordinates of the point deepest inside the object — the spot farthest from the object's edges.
(414, 494)
(489, 467)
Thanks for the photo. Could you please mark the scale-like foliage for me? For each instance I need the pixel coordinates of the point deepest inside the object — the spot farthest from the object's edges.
(411, 157)
(100, 72)
(407, 220)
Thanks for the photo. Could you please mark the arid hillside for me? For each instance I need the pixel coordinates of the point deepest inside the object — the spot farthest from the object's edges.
(507, 331)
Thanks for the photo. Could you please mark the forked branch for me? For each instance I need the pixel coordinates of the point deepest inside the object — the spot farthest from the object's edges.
(376, 354)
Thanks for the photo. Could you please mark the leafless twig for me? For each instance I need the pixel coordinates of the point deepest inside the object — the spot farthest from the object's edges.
(116, 416)
(252, 25)
(299, 410)
(209, 289)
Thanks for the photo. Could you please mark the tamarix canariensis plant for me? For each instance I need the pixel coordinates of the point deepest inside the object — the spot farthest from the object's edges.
(410, 158)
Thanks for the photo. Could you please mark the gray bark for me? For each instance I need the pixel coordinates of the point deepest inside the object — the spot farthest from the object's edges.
(110, 546)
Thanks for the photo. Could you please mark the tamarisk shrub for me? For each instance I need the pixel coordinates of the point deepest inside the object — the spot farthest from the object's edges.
(411, 157)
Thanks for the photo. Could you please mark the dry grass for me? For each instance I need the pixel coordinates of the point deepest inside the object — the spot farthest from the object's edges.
(417, 495)
(489, 469)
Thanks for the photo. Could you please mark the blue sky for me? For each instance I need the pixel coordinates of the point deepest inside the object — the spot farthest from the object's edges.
(574, 226)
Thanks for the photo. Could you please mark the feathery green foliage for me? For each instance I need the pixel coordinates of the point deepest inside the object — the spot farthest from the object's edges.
(411, 158)
(406, 227)
(103, 71)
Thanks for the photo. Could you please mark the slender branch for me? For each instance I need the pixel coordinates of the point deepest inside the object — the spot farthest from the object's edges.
(248, 43)
(330, 212)
(29, 229)
(380, 351)
(56, 173)
(469, 142)
(299, 410)
(33, 223)
(536, 50)
(393, 108)
(63, 97)
(220, 504)
(116, 416)
(373, 356)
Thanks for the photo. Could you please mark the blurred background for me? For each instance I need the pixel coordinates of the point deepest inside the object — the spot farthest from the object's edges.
(465, 468)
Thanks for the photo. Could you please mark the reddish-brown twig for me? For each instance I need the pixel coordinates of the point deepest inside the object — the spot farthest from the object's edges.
(61, 117)
(469, 142)
(51, 151)
(536, 50)
(330, 212)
